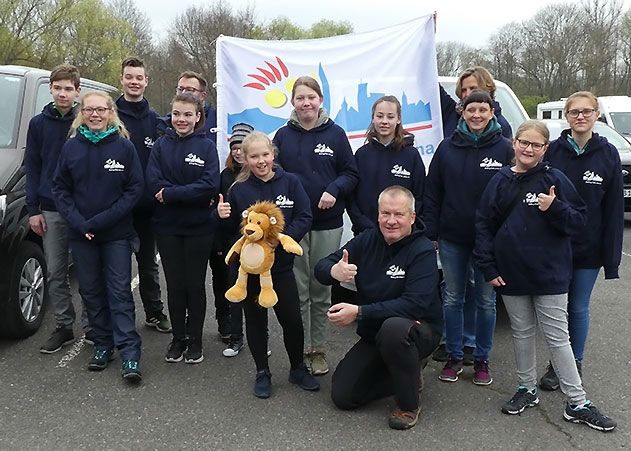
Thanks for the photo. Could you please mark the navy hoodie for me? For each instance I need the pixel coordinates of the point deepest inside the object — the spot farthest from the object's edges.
(286, 191)
(458, 174)
(597, 176)
(210, 123)
(379, 167)
(142, 123)
(47, 133)
(396, 280)
(323, 161)
(96, 187)
(531, 250)
(188, 170)
(451, 116)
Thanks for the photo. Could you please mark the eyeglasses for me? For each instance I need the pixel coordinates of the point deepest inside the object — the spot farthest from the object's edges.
(587, 113)
(89, 110)
(181, 89)
(523, 145)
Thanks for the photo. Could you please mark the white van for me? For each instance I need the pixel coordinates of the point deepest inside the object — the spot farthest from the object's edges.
(615, 111)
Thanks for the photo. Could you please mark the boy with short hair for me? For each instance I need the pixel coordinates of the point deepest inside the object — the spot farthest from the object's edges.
(47, 134)
(142, 123)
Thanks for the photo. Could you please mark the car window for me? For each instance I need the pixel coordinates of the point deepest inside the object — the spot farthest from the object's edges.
(10, 93)
(622, 122)
(43, 97)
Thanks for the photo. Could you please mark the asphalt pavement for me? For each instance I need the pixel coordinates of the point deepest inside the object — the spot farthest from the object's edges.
(52, 401)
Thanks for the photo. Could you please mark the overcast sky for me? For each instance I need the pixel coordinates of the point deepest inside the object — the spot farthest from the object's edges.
(469, 21)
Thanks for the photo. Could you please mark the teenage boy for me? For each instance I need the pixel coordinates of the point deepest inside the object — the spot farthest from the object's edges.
(47, 133)
(142, 123)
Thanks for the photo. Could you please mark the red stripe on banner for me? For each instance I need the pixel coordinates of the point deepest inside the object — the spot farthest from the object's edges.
(409, 129)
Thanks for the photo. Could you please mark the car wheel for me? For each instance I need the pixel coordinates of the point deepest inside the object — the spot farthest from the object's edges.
(26, 306)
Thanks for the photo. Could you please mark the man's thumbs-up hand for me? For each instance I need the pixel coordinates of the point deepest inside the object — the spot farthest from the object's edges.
(343, 271)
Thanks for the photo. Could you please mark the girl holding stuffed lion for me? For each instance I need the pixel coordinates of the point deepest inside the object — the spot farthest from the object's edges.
(260, 180)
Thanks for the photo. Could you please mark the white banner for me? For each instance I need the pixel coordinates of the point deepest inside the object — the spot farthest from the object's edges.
(255, 78)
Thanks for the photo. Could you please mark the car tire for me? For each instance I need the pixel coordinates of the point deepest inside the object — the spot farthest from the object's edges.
(26, 305)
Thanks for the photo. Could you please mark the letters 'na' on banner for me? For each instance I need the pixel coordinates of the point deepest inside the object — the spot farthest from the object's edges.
(255, 78)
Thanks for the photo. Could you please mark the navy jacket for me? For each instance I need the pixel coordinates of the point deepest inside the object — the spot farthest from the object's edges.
(287, 192)
(379, 167)
(142, 123)
(397, 280)
(323, 161)
(458, 174)
(188, 170)
(597, 176)
(531, 249)
(47, 133)
(450, 115)
(96, 187)
(210, 123)
(223, 238)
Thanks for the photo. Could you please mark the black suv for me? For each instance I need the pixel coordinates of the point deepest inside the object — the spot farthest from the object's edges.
(24, 92)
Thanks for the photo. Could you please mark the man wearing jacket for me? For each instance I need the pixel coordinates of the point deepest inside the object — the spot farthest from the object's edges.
(142, 123)
(398, 311)
(47, 133)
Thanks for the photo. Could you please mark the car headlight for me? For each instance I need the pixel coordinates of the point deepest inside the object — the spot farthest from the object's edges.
(3, 207)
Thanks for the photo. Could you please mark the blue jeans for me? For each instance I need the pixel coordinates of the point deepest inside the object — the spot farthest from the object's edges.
(581, 286)
(468, 331)
(456, 260)
(104, 274)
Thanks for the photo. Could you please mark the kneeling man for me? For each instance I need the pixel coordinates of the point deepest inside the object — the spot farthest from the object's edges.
(398, 311)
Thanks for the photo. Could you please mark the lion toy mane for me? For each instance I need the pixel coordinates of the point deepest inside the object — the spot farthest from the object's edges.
(262, 224)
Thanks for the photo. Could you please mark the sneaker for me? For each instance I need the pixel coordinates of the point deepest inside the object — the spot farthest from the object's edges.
(194, 352)
(520, 400)
(440, 354)
(549, 381)
(175, 352)
(318, 364)
(307, 361)
(131, 371)
(88, 338)
(589, 415)
(233, 348)
(263, 384)
(451, 370)
(302, 378)
(60, 337)
(402, 419)
(100, 358)
(159, 322)
(467, 358)
(223, 327)
(482, 375)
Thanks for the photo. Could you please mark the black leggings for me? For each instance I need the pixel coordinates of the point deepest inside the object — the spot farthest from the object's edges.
(184, 260)
(287, 311)
(389, 366)
(220, 282)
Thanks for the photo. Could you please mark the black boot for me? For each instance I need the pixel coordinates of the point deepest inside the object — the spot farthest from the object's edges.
(549, 381)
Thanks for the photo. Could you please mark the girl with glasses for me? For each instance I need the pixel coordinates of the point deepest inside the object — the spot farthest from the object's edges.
(593, 165)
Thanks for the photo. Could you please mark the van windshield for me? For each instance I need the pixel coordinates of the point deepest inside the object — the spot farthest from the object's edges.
(622, 122)
(10, 93)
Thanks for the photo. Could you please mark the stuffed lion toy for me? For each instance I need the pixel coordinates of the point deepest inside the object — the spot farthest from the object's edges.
(262, 223)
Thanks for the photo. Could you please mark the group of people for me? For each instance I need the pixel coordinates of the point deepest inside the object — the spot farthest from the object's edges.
(501, 216)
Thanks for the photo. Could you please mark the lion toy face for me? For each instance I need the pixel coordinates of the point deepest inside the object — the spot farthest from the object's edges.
(263, 220)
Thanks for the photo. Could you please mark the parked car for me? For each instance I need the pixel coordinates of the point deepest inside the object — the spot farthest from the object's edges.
(556, 126)
(24, 92)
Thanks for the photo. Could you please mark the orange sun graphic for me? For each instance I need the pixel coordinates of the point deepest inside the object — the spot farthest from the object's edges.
(270, 81)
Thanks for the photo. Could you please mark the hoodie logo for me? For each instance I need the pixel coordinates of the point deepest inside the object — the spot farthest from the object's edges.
(400, 171)
(148, 142)
(395, 272)
(531, 199)
(323, 150)
(284, 202)
(490, 164)
(194, 160)
(113, 166)
(591, 178)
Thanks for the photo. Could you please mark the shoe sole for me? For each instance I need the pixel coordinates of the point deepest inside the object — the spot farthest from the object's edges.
(404, 426)
(172, 360)
(517, 412)
(232, 352)
(305, 387)
(52, 351)
(192, 361)
(450, 379)
(483, 383)
(319, 372)
(547, 387)
(571, 419)
(132, 377)
(97, 367)
(262, 395)
(159, 329)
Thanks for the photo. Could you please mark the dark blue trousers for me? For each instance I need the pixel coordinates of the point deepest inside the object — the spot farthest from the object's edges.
(104, 274)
